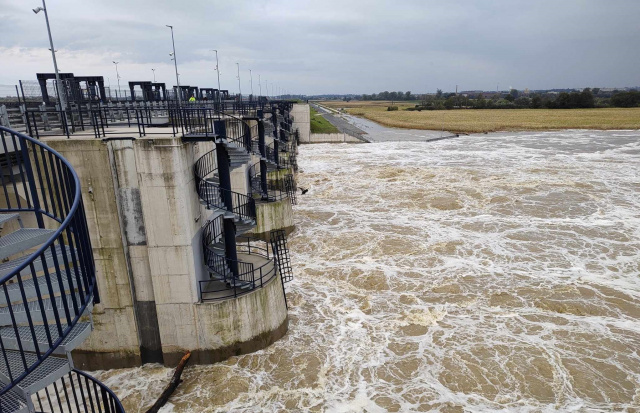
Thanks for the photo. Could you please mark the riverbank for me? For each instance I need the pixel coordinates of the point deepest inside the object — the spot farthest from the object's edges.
(494, 120)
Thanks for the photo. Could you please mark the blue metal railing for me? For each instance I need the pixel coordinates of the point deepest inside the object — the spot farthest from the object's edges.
(77, 392)
(55, 285)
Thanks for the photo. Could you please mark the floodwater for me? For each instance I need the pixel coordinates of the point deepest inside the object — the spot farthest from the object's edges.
(496, 272)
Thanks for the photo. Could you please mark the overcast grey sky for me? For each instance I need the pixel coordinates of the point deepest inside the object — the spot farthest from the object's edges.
(327, 46)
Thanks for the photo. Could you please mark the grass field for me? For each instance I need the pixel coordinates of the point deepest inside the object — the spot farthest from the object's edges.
(320, 124)
(491, 120)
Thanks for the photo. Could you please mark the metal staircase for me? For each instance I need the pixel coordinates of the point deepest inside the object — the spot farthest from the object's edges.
(47, 283)
(234, 267)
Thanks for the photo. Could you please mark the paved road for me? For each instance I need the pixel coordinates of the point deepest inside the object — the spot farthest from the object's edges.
(373, 132)
(340, 123)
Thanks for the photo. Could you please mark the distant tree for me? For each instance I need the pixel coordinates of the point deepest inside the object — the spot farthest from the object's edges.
(510, 97)
(514, 93)
(439, 94)
(522, 102)
(480, 102)
(450, 102)
(586, 99)
(536, 102)
(596, 90)
(626, 99)
(407, 95)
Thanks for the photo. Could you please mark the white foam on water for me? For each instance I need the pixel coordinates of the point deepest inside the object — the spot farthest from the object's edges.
(484, 273)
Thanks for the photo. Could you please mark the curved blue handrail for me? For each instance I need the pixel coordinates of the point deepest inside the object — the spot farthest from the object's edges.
(82, 266)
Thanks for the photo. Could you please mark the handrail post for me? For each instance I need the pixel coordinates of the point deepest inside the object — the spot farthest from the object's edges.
(35, 199)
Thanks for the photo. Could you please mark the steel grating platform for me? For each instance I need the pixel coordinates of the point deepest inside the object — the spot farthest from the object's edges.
(29, 286)
(74, 338)
(22, 240)
(7, 267)
(33, 307)
(12, 402)
(49, 371)
(8, 217)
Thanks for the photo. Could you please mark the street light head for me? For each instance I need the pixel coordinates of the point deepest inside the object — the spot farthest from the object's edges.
(115, 63)
(38, 10)
(171, 27)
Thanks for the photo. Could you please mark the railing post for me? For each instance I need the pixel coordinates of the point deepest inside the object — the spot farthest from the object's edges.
(224, 176)
(230, 249)
(261, 140)
(35, 199)
(276, 151)
(263, 177)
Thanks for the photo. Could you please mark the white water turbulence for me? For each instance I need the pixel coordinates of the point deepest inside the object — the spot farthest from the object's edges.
(482, 273)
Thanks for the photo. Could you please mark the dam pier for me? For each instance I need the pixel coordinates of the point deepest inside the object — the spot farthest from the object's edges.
(183, 213)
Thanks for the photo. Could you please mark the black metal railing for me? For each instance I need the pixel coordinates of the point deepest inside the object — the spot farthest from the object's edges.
(276, 189)
(226, 283)
(271, 155)
(209, 190)
(201, 119)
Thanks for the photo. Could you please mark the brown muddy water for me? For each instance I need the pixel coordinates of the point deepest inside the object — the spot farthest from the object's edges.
(483, 273)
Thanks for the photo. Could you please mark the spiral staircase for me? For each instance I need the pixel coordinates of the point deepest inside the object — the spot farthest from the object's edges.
(47, 283)
(236, 263)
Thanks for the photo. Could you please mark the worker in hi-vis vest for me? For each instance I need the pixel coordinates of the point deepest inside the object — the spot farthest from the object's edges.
(192, 99)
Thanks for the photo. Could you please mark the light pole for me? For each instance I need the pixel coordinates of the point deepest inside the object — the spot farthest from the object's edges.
(239, 88)
(218, 72)
(118, 77)
(61, 98)
(260, 85)
(175, 62)
(251, 82)
(154, 75)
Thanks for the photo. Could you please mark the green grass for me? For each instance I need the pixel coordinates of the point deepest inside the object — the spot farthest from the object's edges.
(320, 125)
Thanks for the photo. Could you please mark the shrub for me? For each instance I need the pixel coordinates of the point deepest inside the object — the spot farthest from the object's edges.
(391, 108)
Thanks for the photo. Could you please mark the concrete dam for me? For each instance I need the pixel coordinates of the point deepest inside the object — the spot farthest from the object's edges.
(138, 230)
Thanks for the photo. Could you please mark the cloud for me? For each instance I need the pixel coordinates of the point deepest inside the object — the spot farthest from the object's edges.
(355, 46)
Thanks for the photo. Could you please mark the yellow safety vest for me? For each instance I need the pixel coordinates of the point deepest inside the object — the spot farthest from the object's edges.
(192, 99)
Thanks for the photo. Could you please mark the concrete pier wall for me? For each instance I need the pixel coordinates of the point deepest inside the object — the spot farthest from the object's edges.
(272, 216)
(145, 222)
(302, 121)
(332, 138)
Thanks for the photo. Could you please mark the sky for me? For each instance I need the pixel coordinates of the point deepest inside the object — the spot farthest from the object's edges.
(318, 47)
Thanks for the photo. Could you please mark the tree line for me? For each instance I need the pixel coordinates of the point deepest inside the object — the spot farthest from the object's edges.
(515, 100)
(400, 96)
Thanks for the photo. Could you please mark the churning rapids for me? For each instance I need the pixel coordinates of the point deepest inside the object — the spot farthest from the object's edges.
(483, 273)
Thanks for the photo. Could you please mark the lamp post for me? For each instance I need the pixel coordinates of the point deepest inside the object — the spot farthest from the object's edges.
(218, 72)
(61, 97)
(260, 85)
(251, 82)
(175, 63)
(239, 88)
(118, 77)
(154, 75)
